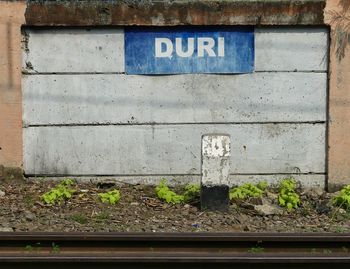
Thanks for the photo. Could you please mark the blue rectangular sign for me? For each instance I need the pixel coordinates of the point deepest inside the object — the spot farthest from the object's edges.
(176, 50)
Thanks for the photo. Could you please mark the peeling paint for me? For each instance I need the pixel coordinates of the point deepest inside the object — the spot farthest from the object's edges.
(216, 151)
(216, 145)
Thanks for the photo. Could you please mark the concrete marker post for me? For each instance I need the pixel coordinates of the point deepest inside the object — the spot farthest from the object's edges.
(216, 150)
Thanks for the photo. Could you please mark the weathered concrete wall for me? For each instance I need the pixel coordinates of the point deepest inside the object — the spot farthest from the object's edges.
(11, 19)
(86, 117)
(88, 51)
(168, 149)
(60, 99)
(102, 50)
(337, 14)
(90, 13)
(114, 98)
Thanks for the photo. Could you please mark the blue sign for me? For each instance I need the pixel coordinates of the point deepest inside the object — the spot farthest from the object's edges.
(176, 50)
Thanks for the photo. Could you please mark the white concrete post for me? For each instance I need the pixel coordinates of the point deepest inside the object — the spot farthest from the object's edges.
(216, 150)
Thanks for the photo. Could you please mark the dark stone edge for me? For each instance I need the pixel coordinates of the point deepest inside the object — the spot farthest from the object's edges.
(171, 13)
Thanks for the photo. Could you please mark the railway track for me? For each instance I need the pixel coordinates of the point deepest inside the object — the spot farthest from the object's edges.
(162, 250)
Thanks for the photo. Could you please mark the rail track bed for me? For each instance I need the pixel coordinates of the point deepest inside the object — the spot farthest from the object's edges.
(173, 250)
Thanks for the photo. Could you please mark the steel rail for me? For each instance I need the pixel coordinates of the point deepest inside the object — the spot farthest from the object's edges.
(204, 237)
(196, 250)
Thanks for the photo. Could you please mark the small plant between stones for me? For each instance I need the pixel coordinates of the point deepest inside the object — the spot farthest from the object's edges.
(164, 193)
(28, 248)
(192, 191)
(248, 190)
(55, 248)
(37, 247)
(61, 192)
(343, 198)
(287, 196)
(256, 249)
(79, 218)
(111, 197)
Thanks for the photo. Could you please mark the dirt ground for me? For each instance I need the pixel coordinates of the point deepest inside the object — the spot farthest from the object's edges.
(22, 209)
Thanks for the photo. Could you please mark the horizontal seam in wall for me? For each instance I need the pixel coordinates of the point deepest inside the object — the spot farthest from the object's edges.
(123, 73)
(169, 175)
(271, 174)
(72, 73)
(161, 124)
(291, 71)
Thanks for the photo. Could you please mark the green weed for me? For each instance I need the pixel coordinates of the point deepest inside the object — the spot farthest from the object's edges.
(29, 201)
(262, 185)
(61, 192)
(29, 248)
(248, 190)
(192, 191)
(111, 197)
(103, 215)
(36, 248)
(55, 248)
(306, 210)
(343, 198)
(80, 218)
(256, 250)
(327, 251)
(339, 229)
(164, 193)
(287, 196)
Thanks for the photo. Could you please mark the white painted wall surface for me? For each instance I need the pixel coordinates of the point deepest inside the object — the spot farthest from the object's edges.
(83, 116)
(171, 149)
(98, 50)
(286, 49)
(112, 98)
(215, 164)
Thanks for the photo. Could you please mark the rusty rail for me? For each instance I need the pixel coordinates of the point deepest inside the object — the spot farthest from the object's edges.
(159, 250)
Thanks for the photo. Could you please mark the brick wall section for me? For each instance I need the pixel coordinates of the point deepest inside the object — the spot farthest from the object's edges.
(337, 14)
(11, 19)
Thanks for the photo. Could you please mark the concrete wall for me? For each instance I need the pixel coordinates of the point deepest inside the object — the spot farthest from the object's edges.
(13, 14)
(83, 116)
